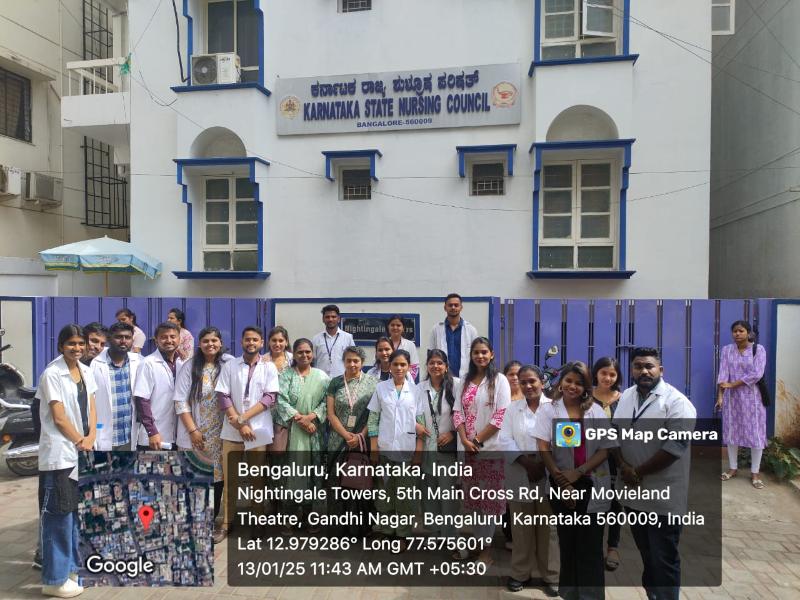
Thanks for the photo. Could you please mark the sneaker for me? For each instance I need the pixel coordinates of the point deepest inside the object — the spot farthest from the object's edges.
(68, 589)
(220, 533)
(550, 590)
(37, 562)
(514, 585)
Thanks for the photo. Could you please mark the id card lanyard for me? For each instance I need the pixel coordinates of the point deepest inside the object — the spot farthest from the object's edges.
(351, 400)
(332, 346)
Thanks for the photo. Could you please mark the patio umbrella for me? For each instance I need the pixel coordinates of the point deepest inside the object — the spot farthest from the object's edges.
(101, 255)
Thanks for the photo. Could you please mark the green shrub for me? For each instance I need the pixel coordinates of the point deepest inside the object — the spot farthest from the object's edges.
(781, 460)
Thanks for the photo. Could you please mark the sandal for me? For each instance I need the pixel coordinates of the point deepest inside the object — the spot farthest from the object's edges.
(729, 474)
(612, 559)
(758, 484)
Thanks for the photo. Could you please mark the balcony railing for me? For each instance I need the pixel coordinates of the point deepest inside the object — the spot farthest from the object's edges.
(100, 76)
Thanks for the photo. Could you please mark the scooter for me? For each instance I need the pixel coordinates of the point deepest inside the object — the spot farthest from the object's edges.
(17, 427)
(551, 374)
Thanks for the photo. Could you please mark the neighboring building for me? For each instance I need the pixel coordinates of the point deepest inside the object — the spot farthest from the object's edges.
(377, 148)
(56, 186)
(755, 177)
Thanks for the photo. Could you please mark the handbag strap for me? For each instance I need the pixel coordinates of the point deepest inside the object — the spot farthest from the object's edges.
(433, 414)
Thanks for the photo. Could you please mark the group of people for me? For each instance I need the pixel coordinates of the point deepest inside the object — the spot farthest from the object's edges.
(319, 400)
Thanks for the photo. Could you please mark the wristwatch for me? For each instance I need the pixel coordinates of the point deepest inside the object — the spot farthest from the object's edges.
(581, 469)
(477, 443)
(241, 420)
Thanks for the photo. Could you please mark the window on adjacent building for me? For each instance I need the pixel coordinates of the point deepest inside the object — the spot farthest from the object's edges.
(722, 17)
(15, 106)
(579, 28)
(487, 179)
(230, 236)
(354, 5)
(355, 184)
(233, 26)
(576, 220)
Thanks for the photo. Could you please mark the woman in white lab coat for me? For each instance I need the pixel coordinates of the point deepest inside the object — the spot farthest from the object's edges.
(392, 431)
(481, 403)
(67, 412)
(396, 328)
(534, 548)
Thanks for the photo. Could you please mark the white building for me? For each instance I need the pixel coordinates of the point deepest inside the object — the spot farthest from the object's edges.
(515, 169)
(56, 187)
(755, 177)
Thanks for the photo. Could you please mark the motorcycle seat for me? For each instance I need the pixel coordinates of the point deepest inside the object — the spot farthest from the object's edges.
(26, 392)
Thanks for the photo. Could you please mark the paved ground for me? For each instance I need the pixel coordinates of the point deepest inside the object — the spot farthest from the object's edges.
(761, 556)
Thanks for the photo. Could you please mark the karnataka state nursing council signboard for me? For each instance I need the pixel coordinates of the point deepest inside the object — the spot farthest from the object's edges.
(452, 97)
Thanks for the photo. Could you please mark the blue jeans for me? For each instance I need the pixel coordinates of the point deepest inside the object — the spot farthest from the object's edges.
(58, 534)
(658, 546)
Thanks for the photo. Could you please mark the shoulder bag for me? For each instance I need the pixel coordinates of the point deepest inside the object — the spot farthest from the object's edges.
(761, 384)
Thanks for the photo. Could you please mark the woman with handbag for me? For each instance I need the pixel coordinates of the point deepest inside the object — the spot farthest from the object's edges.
(481, 403)
(68, 418)
(743, 398)
(435, 401)
(392, 428)
(347, 399)
(301, 412)
(197, 408)
(577, 469)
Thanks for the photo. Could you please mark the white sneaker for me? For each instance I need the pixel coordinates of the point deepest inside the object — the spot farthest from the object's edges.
(68, 589)
(74, 577)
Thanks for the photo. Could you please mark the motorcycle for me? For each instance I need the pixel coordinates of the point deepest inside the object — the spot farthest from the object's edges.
(18, 431)
(551, 374)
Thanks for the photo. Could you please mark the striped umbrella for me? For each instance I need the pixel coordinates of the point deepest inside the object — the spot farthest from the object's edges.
(101, 255)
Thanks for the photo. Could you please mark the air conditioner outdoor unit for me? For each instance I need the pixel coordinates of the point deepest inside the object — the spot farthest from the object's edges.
(43, 189)
(10, 181)
(210, 69)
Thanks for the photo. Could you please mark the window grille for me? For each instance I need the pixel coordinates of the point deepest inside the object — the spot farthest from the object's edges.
(356, 184)
(15, 106)
(488, 179)
(356, 5)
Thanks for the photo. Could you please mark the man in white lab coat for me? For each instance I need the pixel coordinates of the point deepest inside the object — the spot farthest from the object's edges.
(114, 371)
(329, 344)
(247, 388)
(454, 336)
(153, 391)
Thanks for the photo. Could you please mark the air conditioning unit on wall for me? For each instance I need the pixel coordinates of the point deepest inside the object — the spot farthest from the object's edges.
(10, 182)
(211, 69)
(43, 189)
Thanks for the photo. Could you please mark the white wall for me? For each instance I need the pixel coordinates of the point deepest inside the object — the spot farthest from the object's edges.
(755, 249)
(409, 240)
(305, 320)
(54, 39)
(787, 380)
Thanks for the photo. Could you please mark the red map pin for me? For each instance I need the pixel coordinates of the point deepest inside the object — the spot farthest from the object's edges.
(145, 516)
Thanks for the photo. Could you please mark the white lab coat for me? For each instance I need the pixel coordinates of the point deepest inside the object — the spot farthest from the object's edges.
(56, 451)
(439, 340)
(103, 399)
(398, 418)
(233, 380)
(517, 438)
(154, 381)
(502, 399)
(444, 420)
(183, 385)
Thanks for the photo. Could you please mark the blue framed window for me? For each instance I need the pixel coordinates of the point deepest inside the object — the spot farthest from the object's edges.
(226, 26)
(580, 193)
(225, 201)
(487, 167)
(580, 31)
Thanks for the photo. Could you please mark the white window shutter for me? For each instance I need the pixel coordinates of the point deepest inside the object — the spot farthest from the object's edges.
(598, 18)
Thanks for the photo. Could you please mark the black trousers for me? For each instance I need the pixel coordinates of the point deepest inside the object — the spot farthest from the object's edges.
(658, 546)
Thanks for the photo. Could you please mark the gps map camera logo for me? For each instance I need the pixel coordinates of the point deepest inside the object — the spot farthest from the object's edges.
(568, 435)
